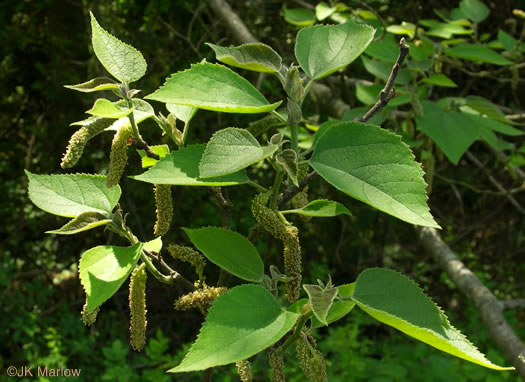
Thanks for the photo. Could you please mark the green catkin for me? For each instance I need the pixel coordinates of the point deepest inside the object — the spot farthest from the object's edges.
(80, 138)
(244, 368)
(118, 157)
(164, 204)
(89, 317)
(267, 218)
(301, 199)
(137, 306)
(292, 262)
(277, 367)
(188, 255)
(201, 298)
(303, 355)
(289, 235)
(318, 368)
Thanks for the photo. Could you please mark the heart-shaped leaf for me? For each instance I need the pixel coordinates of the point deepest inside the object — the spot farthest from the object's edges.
(104, 269)
(121, 60)
(83, 222)
(230, 150)
(373, 165)
(453, 132)
(229, 250)
(397, 301)
(72, 195)
(241, 323)
(212, 87)
(324, 49)
(181, 168)
(253, 56)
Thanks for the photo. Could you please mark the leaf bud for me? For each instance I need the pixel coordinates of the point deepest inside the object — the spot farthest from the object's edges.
(293, 84)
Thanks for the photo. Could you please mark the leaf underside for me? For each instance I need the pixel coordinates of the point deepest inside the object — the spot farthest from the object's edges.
(395, 300)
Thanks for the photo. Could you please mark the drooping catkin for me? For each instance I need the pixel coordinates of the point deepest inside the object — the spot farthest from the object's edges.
(89, 317)
(137, 307)
(318, 368)
(201, 298)
(244, 368)
(188, 255)
(289, 235)
(292, 262)
(267, 218)
(164, 204)
(303, 355)
(118, 157)
(80, 138)
(277, 367)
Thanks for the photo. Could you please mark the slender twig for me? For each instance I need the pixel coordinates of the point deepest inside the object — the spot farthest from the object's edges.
(498, 185)
(222, 200)
(174, 276)
(388, 93)
(142, 145)
(293, 190)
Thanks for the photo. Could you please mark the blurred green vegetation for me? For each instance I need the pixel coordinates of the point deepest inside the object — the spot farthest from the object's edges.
(46, 44)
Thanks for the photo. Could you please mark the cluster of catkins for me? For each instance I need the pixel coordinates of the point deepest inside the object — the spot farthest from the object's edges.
(289, 235)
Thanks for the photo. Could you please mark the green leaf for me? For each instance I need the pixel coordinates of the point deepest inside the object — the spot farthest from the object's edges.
(487, 123)
(104, 269)
(321, 300)
(477, 53)
(83, 222)
(323, 10)
(253, 56)
(367, 94)
(508, 42)
(382, 70)
(386, 49)
(288, 160)
(121, 60)
(184, 113)
(212, 87)
(324, 49)
(94, 85)
(339, 308)
(181, 168)
(453, 132)
(485, 107)
(395, 300)
(405, 28)
(241, 323)
(440, 80)
(160, 150)
(73, 194)
(374, 166)
(228, 250)
(107, 109)
(230, 150)
(320, 208)
(444, 30)
(299, 16)
(475, 10)
(154, 245)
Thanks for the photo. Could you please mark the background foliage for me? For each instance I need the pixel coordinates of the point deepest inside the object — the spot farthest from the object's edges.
(45, 45)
